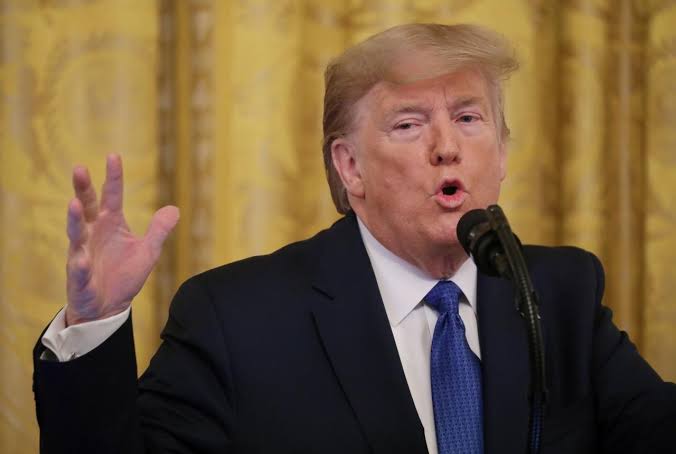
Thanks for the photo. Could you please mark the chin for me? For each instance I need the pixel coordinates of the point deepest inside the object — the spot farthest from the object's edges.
(445, 238)
(449, 224)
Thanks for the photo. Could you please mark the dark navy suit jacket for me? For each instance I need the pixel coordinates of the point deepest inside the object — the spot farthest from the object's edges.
(293, 353)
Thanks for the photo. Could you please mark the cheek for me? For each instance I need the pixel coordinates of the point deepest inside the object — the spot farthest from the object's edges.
(489, 180)
(486, 162)
(385, 181)
(391, 169)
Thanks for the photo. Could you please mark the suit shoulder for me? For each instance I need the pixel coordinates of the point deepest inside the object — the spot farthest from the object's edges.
(565, 267)
(287, 260)
(284, 266)
(537, 255)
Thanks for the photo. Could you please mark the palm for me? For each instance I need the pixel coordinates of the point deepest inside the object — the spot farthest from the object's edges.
(120, 265)
(107, 264)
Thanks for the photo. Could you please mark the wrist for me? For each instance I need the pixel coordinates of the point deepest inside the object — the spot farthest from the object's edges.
(73, 317)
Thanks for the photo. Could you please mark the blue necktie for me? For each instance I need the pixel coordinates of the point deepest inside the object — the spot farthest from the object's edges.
(455, 376)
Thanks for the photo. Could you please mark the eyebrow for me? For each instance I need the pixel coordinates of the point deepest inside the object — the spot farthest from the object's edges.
(466, 102)
(422, 108)
(408, 108)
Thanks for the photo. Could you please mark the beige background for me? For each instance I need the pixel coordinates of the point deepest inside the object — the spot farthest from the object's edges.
(216, 106)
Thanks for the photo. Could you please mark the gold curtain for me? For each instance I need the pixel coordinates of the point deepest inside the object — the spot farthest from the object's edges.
(216, 107)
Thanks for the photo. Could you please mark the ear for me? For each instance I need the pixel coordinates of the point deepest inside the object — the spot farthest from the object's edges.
(344, 156)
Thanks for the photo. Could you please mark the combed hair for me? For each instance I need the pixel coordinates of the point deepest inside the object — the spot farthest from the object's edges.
(352, 74)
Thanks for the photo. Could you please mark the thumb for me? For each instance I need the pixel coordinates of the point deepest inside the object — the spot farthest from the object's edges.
(163, 222)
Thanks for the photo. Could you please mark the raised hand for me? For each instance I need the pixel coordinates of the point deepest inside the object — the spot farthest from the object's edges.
(107, 264)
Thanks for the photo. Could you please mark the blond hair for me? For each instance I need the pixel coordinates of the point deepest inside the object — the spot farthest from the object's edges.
(351, 75)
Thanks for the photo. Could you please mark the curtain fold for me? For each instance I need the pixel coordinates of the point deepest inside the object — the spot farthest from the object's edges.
(658, 305)
(216, 107)
(77, 81)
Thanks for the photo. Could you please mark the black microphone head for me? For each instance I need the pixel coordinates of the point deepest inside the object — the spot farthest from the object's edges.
(479, 240)
(466, 224)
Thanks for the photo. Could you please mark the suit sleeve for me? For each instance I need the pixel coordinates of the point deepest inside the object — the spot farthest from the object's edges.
(182, 403)
(636, 408)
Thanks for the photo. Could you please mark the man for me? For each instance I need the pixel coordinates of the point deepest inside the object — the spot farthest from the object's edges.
(376, 335)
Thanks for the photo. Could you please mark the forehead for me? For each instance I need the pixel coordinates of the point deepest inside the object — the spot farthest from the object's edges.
(410, 64)
(446, 90)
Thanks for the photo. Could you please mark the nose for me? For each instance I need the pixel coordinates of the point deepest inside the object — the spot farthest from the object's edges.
(445, 146)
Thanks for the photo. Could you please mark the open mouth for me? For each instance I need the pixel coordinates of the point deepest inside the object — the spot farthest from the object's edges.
(451, 189)
(451, 193)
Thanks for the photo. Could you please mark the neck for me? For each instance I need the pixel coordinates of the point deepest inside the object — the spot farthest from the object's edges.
(441, 263)
(437, 261)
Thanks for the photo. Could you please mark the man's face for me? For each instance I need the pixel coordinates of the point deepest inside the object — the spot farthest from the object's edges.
(424, 153)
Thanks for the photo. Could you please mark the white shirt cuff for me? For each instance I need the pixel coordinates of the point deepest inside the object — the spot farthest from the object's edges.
(68, 343)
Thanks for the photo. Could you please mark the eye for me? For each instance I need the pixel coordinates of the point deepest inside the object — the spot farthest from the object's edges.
(404, 126)
(467, 118)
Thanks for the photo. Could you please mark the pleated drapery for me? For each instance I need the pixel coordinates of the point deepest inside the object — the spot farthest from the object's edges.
(216, 106)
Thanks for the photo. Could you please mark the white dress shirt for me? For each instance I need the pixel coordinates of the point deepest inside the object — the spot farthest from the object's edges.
(76, 340)
(402, 287)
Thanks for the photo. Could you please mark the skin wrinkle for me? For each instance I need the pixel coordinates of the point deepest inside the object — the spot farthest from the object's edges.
(424, 107)
(426, 64)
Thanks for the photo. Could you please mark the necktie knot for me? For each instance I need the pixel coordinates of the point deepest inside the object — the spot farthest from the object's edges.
(444, 297)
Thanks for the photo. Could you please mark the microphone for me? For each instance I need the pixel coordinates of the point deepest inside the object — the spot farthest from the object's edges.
(482, 243)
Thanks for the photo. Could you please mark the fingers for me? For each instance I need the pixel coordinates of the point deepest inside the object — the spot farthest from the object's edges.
(84, 191)
(76, 226)
(78, 268)
(111, 195)
(78, 271)
(163, 222)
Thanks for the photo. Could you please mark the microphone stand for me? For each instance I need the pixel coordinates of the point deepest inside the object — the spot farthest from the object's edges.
(526, 303)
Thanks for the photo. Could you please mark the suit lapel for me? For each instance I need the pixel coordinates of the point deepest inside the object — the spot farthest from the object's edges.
(504, 362)
(354, 329)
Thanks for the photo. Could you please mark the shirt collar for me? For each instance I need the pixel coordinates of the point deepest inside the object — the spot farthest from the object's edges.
(403, 286)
